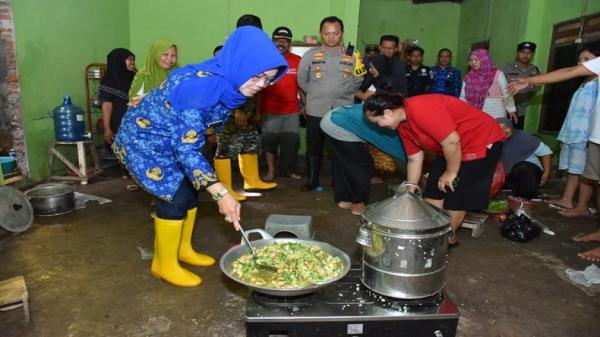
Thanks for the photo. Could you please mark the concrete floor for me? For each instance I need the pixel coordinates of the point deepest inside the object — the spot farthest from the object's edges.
(86, 278)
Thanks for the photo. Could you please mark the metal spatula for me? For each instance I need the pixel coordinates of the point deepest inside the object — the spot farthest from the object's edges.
(264, 267)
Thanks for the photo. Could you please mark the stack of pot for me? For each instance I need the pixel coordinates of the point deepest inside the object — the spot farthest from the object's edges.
(405, 246)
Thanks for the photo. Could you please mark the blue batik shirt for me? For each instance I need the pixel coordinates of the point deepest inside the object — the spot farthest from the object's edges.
(577, 124)
(446, 81)
(161, 145)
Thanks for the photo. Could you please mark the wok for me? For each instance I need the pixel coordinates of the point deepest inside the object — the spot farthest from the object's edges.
(236, 252)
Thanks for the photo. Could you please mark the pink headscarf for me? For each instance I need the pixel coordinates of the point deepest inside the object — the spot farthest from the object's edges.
(478, 82)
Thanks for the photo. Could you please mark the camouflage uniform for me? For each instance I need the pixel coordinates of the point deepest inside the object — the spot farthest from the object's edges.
(233, 140)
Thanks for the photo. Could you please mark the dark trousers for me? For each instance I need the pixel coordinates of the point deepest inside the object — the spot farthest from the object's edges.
(315, 138)
(185, 198)
(352, 170)
(521, 123)
(524, 178)
(288, 142)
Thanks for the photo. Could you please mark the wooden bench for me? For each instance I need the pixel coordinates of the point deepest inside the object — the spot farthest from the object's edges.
(13, 294)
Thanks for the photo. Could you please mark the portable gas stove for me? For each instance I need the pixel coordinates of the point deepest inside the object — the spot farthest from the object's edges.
(348, 308)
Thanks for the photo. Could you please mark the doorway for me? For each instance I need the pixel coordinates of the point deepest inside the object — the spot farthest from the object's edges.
(567, 39)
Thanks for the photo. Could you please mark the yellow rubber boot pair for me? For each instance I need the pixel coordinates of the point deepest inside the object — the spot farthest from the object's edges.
(249, 170)
(172, 242)
(223, 170)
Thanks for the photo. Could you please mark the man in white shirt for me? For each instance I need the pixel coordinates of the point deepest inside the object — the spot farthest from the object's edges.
(591, 174)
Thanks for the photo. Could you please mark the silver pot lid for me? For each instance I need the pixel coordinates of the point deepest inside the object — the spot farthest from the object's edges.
(16, 212)
(405, 211)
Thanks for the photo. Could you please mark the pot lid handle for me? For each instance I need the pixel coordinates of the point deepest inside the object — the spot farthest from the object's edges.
(404, 188)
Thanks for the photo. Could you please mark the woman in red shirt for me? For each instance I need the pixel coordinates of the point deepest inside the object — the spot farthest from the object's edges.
(468, 143)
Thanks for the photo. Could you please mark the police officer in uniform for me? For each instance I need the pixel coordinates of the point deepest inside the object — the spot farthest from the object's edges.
(330, 75)
(522, 67)
(418, 77)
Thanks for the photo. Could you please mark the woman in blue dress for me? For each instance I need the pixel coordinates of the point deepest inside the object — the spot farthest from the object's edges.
(160, 141)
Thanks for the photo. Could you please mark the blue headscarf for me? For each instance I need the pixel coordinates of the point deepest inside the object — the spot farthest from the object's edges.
(247, 52)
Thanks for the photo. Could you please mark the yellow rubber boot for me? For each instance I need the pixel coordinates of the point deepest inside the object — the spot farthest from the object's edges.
(249, 170)
(223, 170)
(186, 252)
(166, 247)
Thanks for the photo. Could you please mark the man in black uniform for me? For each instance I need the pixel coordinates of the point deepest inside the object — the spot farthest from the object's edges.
(419, 77)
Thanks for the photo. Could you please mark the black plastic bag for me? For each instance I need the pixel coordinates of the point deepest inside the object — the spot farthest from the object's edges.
(520, 228)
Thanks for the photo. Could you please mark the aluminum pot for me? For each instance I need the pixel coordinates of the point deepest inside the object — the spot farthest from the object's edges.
(405, 246)
(52, 199)
(236, 252)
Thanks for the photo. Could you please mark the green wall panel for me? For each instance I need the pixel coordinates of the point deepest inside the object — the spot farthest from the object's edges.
(500, 21)
(435, 25)
(198, 26)
(543, 14)
(508, 22)
(55, 41)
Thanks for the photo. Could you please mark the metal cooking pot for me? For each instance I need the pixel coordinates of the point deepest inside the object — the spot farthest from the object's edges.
(52, 199)
(236, 252)
(405, 246)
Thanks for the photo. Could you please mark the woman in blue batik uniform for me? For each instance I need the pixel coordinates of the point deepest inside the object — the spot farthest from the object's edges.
(161, 140)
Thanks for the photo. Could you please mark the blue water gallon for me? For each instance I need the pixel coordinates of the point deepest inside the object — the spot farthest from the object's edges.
(69, 125)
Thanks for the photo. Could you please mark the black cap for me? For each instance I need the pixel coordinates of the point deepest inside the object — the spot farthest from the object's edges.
(526, 45)
(282, 33)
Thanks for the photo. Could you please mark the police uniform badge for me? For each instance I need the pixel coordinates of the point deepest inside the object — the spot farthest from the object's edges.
(359, 66)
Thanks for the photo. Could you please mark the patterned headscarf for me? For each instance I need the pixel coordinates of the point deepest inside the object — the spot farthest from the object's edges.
(152, 74)
(478, 82)
(247, 52)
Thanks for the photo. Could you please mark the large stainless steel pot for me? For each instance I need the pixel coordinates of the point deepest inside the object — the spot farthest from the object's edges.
(52, 199)
(405, 246)
(236, 252)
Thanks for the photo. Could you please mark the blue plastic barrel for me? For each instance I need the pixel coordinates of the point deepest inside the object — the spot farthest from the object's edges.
(69, 125)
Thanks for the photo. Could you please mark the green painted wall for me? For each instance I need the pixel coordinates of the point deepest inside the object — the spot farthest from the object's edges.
(495, 20)
(198, 26)
(508, 22)
(543, 14)
(55, 41)
(435, 25)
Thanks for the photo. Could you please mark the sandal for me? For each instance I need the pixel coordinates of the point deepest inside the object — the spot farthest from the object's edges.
(568, 213)
(556, 203)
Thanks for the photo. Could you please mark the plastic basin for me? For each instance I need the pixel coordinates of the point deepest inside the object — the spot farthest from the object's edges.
(8, 164)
